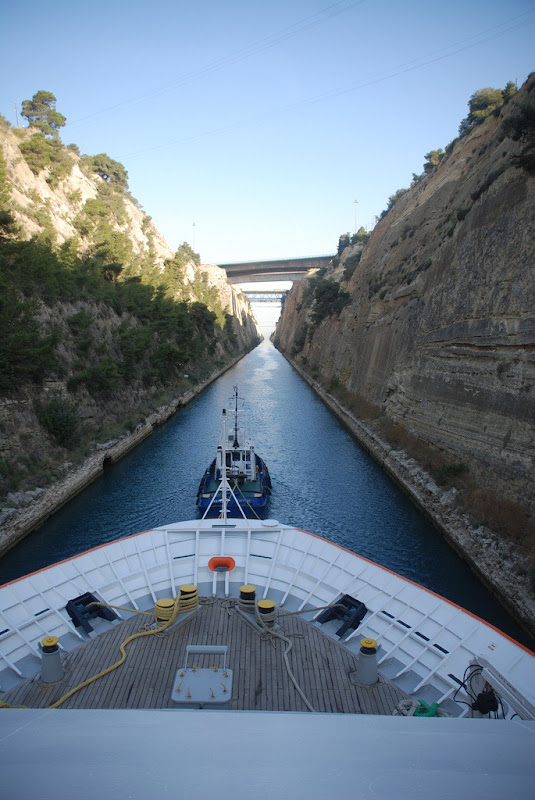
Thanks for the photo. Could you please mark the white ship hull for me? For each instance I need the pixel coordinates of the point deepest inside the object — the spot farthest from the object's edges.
(425, 643)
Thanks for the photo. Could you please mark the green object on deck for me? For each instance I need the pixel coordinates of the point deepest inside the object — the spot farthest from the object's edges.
(423, 710)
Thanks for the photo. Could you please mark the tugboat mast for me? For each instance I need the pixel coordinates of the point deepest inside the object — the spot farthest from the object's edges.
(236, 443)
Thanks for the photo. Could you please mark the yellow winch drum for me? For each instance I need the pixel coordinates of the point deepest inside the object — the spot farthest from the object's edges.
(189, 597)
(163, 610)
(267, 612)
(247, 599)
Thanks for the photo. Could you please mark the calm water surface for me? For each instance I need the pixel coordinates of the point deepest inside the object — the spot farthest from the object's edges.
(323, 482)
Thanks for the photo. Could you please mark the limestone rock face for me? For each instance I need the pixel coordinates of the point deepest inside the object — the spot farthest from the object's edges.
(33, 197)
(440, 331)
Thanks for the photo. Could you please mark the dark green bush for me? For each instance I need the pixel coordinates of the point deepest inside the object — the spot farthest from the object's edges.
(329, 299)
(40, 152)
(60, 418)
(351, 264)
(447, 473)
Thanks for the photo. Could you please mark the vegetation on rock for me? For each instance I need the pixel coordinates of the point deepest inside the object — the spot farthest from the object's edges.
(109, 170)
(483, 103)
(98, 330)
(41, 114)
(41, 153)
(329, 299)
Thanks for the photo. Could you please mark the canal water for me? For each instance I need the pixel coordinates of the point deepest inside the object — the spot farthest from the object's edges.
(323, 481)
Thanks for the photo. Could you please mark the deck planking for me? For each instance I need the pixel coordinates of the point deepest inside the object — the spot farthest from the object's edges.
(323, 668)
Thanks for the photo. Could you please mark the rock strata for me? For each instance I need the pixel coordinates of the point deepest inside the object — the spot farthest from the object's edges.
(437, 339)
(439, 332)
(494, 561)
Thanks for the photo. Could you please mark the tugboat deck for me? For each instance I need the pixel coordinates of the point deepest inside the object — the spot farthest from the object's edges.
(248, 489)
(323, 668)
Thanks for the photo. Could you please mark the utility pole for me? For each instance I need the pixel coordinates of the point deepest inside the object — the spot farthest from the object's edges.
(356, 203)
(194, 226)
(16, 115)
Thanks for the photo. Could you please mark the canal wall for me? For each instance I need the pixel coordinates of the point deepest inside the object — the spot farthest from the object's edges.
(42, 503)
(493, 560)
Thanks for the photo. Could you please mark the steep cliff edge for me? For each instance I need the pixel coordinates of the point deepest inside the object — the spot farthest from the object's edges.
(434, 343)
(105, 330)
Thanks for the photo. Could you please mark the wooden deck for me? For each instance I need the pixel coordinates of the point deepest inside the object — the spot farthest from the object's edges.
(323, 668)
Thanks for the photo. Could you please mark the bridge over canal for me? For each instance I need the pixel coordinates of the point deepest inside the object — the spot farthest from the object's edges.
(284, 269)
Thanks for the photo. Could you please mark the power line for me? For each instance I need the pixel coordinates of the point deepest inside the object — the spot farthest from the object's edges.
(324, 15)
(422, 61)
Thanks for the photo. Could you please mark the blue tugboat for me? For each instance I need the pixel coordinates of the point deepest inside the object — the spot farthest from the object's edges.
(245, 479)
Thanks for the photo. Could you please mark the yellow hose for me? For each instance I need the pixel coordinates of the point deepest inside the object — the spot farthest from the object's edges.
(122, 648)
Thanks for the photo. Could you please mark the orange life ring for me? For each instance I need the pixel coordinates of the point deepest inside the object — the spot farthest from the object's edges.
(221, 563)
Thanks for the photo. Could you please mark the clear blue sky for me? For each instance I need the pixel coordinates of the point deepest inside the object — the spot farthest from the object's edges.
(249, 129)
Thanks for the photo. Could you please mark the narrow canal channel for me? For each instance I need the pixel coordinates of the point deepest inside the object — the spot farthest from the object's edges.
(322, 481)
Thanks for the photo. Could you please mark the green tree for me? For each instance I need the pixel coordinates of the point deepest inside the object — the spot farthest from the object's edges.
(7, 221)
(173, 275)
(186, 252)
(41, 113)
(510, 90)
(392, 200)
(343, 242)
(329, 299)
(361, 236)
(109, 170)
(481, 104)
(433, 159)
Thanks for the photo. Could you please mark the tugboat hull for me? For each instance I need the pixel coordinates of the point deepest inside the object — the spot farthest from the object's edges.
(249, 498)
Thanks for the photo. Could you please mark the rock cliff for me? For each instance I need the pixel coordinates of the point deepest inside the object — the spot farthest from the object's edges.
(124, 329)
(436, 336)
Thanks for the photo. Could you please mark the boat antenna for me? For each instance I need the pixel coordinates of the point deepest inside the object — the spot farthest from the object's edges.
(224, 469)
(235, 443)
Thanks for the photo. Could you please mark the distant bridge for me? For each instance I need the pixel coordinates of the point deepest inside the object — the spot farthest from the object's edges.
(284, 269)
(265, 297)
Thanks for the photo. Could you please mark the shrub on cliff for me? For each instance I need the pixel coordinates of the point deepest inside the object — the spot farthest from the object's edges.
(343, 242)
(520, 127)
(433, 159)
(41, 153)
(109, 170)
(392, 200)
(26, 355)
(351, 264)
(360, 237)
(59, 416)
(483, 103)
(329, 299)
